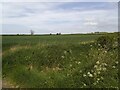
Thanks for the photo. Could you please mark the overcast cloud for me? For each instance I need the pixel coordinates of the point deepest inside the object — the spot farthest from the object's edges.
(64, 17)
(59, 0)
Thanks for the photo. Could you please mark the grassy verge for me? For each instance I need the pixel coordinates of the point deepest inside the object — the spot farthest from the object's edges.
(59, 62)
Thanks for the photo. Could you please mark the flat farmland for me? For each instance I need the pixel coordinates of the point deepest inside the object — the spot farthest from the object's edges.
(59, 61)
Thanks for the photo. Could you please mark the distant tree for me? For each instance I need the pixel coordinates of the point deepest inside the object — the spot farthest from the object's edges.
(50, 33)
(58, 34)
(32, 32)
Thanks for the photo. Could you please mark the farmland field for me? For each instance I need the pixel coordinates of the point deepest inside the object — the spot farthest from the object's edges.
(59, 61)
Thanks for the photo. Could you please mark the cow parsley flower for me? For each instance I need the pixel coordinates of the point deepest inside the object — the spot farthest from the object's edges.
(104, 69)
(98, 72)
(79, 62)
(95, 66)
(90, 75)
(113, 67)
(97, 62)
(84, 84)
(70, 65)
(84, 75)
(62, 57)
(116, 62)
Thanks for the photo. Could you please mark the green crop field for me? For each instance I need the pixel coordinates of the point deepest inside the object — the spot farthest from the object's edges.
(59, 61)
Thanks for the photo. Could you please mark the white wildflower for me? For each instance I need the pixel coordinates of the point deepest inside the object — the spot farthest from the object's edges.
(84, 75)
(98, 44)
(116, 62)
(105, 64)
(95, 66)
(98, 79)
(94, 83)
(113, 66)
(98, 49)
(80, 71)
(91, 45)
(49, 77)
(67, 74)
(53, 69)
(79, 62)
(65, 52)
(75, 61)
(97, 62)
(90, 75)
(111, 53)
(70, 51)
(62, 57)
(92, 71)
(104, 69)
(95, 74)
(102, 78)
(17, 86)
(105, 51)
(99, 72)
(99, 69)
(70, 65)
(84, 84)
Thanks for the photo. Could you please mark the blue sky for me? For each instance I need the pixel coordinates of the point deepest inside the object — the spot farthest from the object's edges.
(64, 17)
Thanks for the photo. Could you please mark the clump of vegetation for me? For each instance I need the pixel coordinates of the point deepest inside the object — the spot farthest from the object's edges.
(105, 42)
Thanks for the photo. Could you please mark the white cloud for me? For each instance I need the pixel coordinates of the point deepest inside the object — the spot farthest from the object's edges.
(42, 17)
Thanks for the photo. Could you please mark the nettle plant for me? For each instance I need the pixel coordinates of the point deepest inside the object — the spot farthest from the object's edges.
(105, 42)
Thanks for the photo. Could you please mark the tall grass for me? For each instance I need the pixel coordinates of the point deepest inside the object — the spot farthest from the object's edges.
(73, 61)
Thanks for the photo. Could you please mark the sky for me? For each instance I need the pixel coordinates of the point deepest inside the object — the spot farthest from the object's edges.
(54, 17)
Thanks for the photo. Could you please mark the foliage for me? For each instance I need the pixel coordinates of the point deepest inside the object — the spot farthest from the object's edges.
(105, 42)
(59, 61)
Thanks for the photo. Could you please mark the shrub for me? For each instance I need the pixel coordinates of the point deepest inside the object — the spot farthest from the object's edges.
(105, 42)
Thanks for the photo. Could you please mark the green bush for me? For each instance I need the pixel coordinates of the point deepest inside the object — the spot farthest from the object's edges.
(105, 42)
